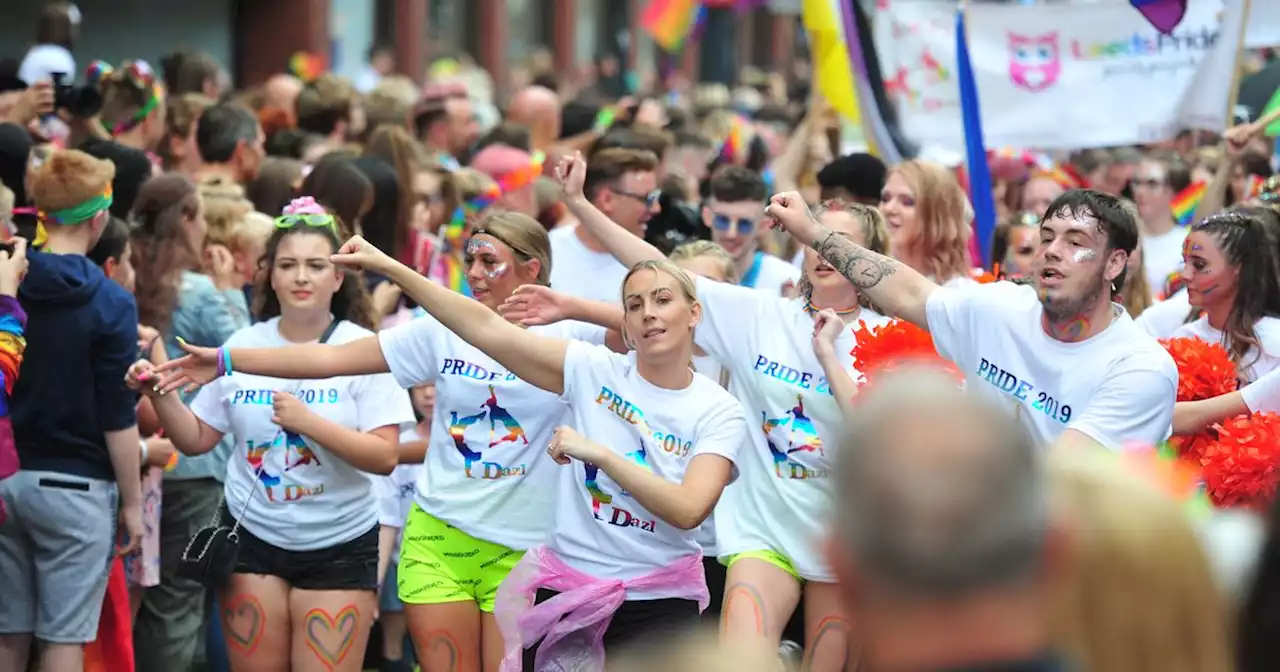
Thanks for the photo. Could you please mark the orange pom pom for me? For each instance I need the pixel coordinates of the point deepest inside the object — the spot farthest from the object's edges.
(882, 349)
(1240, 464)
(1205, 370)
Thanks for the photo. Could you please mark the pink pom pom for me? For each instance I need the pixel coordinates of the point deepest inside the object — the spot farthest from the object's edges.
(304, 205)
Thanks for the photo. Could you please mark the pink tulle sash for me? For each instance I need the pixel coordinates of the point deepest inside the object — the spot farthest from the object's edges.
(571, 625)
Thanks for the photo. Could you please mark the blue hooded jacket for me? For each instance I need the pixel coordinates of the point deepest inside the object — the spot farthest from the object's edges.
(82, 337)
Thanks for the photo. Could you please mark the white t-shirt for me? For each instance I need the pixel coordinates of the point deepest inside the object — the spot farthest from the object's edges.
(1162, 318)
(487, 471)
(396, 492)
(1118, 386)
(601, 530)
(770, 274)
(304, 497)
(1256, 364)
(709, 367)
(1162, 257)
(1263, 394)
(43, 60)
(582, 272)
(781, 502)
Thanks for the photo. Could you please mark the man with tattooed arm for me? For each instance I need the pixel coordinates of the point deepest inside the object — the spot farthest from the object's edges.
(1069, 361)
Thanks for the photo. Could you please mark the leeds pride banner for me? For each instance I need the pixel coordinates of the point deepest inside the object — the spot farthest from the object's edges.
(1056, 76)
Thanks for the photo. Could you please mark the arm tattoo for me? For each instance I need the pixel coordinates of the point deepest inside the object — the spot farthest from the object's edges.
(864, 268)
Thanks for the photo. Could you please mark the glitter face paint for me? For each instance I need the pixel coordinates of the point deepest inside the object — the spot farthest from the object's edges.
(1082, 256)
(475, 246)
(497, 271)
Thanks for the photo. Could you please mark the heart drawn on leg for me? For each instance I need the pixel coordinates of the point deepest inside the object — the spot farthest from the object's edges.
(244, 622)
(323, 628)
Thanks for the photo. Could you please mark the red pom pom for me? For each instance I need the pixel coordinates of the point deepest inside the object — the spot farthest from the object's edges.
(1240, 464)
(881, 349)
(1205, 370)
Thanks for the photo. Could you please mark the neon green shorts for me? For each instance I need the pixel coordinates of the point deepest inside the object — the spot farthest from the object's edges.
(772, 557)
(440, 563)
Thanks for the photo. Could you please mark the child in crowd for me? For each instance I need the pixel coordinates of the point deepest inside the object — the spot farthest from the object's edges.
(131, 574)
(396, 493)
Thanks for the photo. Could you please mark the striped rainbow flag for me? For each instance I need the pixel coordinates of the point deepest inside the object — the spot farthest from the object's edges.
(1185, 202)
(669, 22)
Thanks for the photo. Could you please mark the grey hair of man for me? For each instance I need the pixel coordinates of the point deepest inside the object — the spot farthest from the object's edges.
(941, 491)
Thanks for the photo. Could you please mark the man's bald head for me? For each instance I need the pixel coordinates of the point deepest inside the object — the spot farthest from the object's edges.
(281, 91)
(941, 491)
(538, 109)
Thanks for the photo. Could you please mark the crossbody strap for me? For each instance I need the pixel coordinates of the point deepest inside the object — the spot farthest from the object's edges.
(257, 473)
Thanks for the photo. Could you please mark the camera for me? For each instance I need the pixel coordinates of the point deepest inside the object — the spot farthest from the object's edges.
(675, 224)
(79, 100)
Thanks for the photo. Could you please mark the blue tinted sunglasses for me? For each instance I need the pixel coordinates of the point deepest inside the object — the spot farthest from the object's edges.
(724, 223)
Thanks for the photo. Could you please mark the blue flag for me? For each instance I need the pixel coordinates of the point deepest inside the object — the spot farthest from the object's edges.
(984, 204)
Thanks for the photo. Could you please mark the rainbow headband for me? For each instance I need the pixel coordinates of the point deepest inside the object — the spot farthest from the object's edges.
(73, 215)
(516, 179)
(142, 76)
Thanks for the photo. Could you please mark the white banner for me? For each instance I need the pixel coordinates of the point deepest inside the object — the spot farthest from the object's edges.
(1059, 76)
(1264, 24)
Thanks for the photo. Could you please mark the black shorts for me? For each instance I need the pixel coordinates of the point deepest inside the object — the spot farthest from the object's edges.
(716, 574)
(635, 623)
(351, 565)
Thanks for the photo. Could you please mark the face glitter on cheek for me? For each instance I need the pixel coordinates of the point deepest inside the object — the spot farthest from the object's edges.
(498, 271)
(1082, 256)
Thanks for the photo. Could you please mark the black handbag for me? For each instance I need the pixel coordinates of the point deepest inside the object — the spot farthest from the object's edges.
(210, 557)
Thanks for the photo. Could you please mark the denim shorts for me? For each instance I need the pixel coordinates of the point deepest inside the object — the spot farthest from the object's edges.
(351, 565)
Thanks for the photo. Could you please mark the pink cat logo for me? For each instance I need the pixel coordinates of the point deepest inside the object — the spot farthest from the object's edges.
(1034, 64)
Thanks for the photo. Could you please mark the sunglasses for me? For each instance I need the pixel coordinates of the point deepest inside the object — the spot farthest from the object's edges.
(650, 199)
(316, 221)
(724, 223)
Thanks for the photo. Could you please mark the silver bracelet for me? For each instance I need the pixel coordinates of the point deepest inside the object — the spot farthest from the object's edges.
(143, 442)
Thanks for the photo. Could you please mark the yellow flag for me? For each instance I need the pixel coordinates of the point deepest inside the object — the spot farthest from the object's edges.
(832, 71)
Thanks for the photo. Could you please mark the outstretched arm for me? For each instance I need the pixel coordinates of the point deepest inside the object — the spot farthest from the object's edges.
(532, 305)
(890, 284)
(313, 360)
(626, 247)
(308, 361)
(537, 360)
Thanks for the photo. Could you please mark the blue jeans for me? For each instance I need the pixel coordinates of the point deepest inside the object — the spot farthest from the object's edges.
(215, 648)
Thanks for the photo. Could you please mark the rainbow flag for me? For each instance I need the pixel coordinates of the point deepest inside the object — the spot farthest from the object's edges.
(669, 22)
(307, 67)
(735, 145)
(1185, 202)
